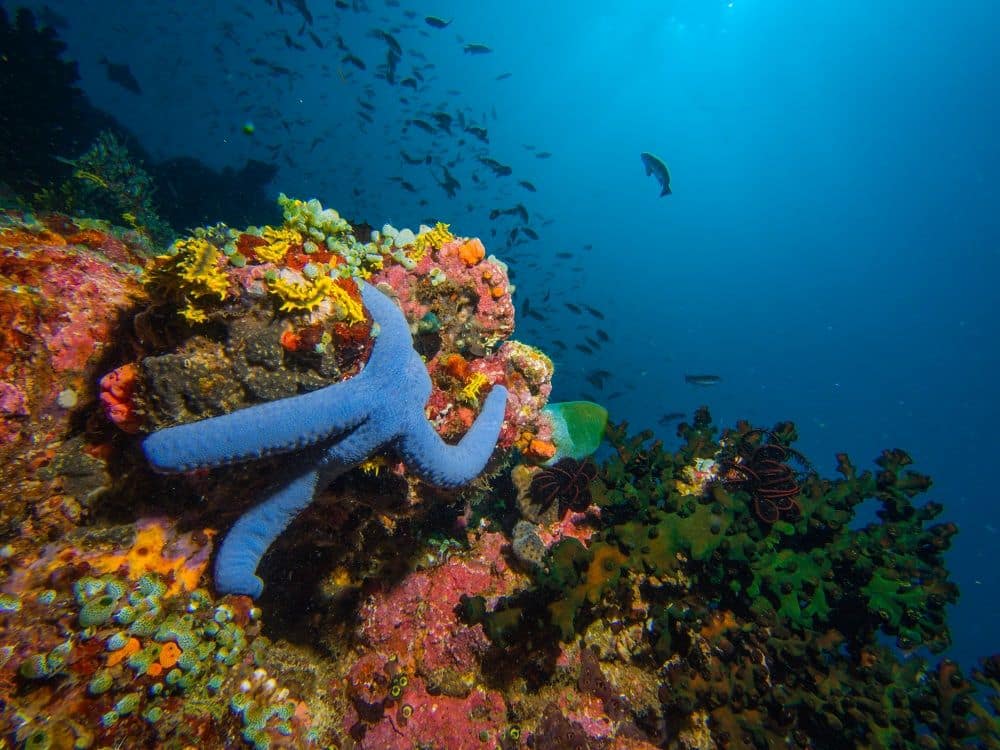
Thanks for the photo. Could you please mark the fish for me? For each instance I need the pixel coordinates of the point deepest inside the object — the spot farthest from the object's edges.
(357, 62)
(530, 232)
(591, 342)
(316, 40)
(120, 74)
(480, 133)
(437, 23)
(674, 416)
(527, 186)
(542, 154)
(564, 256)
(586, 350)
(450, 185)
(474, 48)
(291, 43)
(654, 166)
(702, 380)
(300, 6)
(388, 39)
(602, 334)
(503, 76)
(500, 170)
(411, 82)
(518, 210)
(409, 159)
(595, 312)
(443, 120)
(425, 126)
(572, 308)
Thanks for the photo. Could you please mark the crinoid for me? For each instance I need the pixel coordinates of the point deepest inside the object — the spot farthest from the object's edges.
(567, 482)
(759, 465)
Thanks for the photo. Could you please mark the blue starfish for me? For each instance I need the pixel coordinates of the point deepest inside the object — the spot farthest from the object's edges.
(329, 431)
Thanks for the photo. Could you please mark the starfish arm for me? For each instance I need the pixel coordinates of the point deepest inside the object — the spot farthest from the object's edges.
(394, 342)
(268, 429)
(443, 465)
(249, 538)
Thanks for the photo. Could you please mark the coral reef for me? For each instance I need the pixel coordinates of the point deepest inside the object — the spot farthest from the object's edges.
(720, 595)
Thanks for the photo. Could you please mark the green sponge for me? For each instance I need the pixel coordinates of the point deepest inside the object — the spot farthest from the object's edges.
(577, 428)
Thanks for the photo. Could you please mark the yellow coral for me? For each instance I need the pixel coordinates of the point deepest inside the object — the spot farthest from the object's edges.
(198, 266)
(301, 296)
(374, 465)
(309, 296)
(193, 314)
(279, 242)
(353, 312)
(432, 238)
(470, 393)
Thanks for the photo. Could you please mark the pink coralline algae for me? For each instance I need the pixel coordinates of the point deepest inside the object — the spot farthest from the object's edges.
(419, 719)
(61, 305)
(415, 620)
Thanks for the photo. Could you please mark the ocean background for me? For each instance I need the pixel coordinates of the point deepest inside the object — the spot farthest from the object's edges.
(830, 249)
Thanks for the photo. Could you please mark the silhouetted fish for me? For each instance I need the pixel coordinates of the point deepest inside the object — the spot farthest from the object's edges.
(480, 133)
(702, 379)
(674, 416)
(474, 48)
(120, 74)
(572, 308)
(595, 312)
(357, 62)
(500, 170)
(437, 23)
(527, 186)
(425, 126)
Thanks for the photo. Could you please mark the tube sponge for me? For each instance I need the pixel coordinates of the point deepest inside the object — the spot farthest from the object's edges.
(577, 428)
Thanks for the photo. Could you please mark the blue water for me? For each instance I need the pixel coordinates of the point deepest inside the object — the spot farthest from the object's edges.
(830, 248)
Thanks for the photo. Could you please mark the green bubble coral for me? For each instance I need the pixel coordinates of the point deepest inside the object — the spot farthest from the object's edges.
(128, 704)
(98, 611)
(144, 625)
(151, 585)
(100, 683)
(36, 667)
